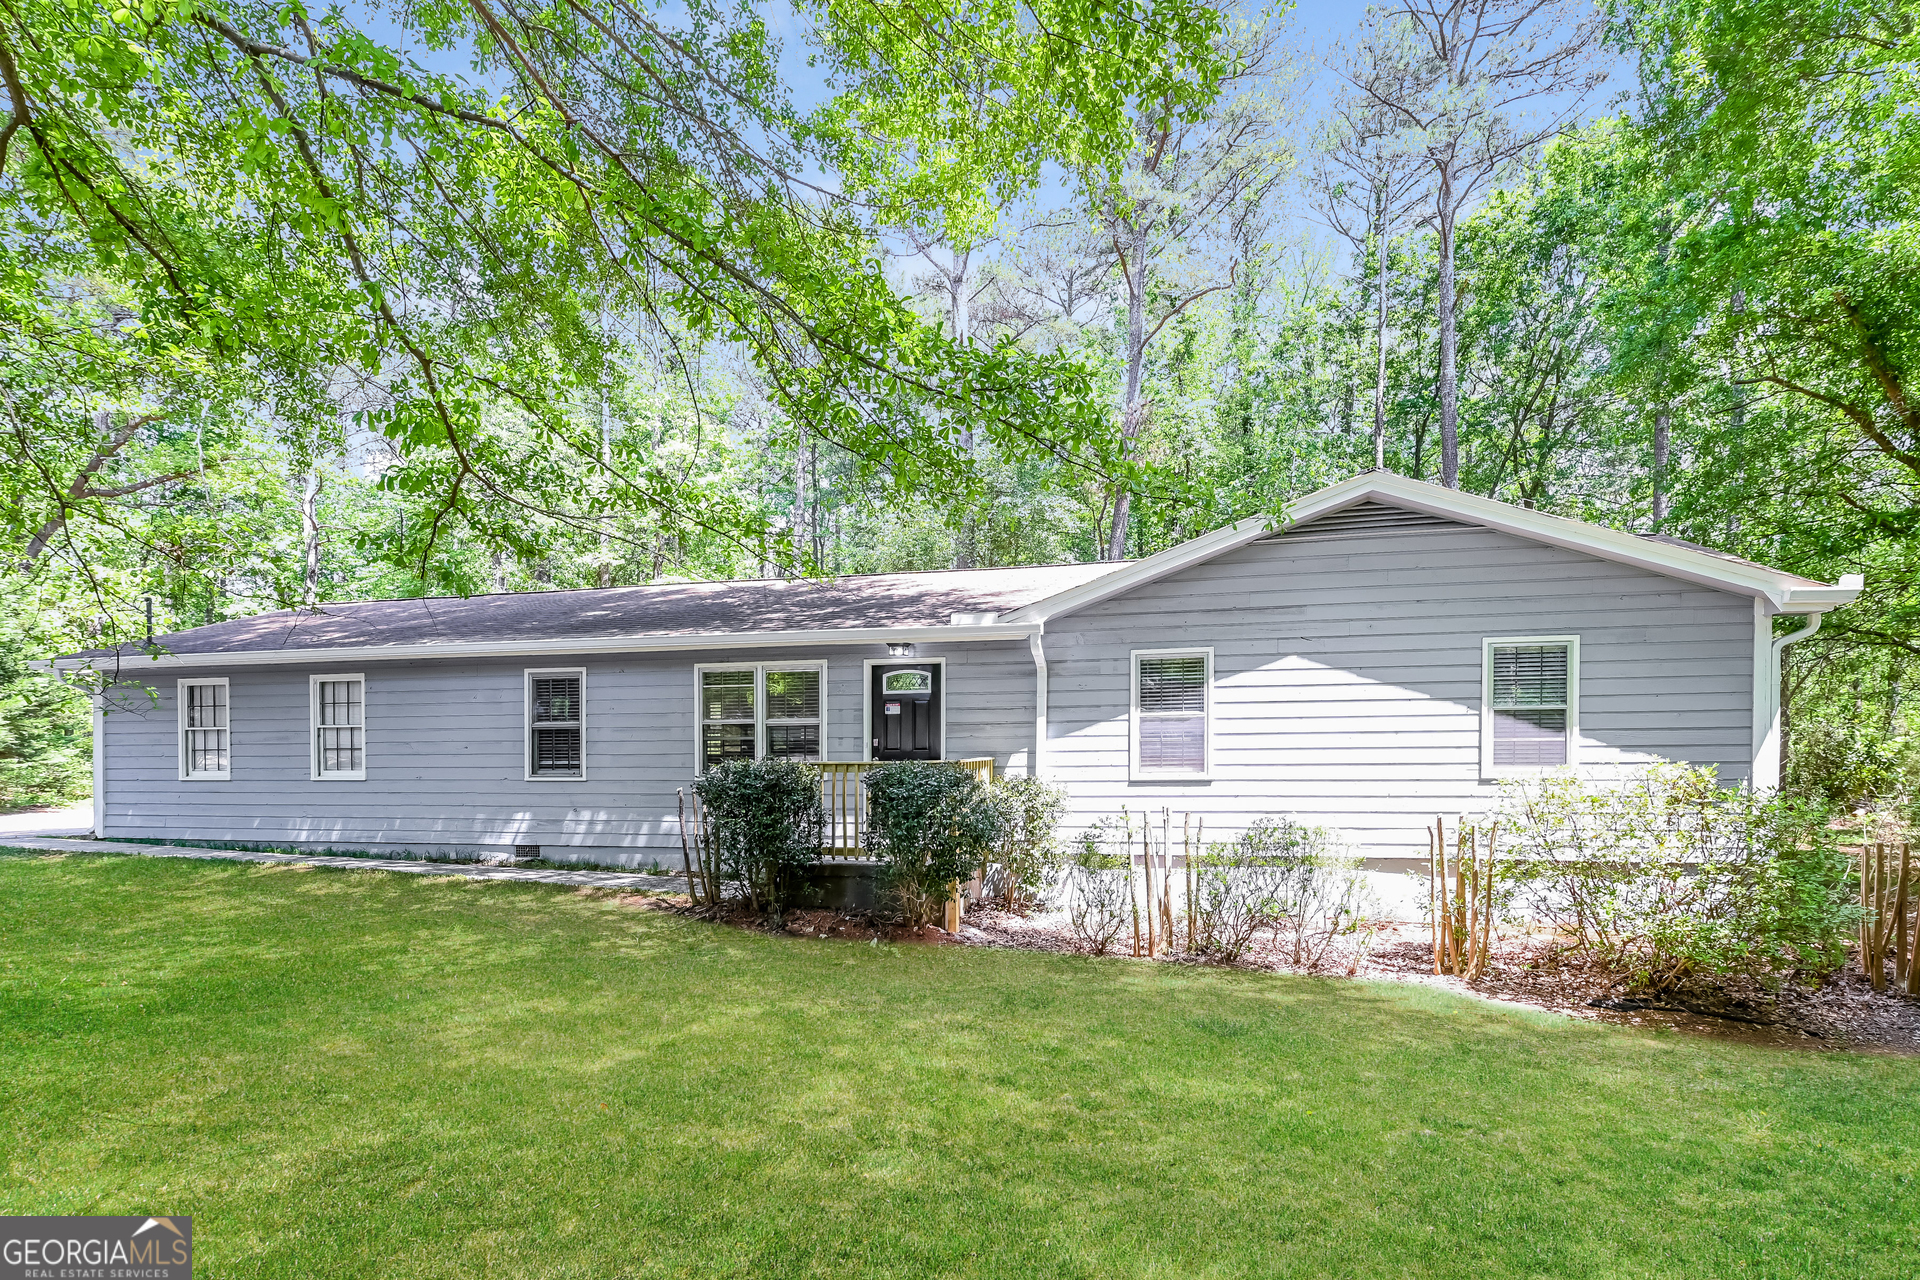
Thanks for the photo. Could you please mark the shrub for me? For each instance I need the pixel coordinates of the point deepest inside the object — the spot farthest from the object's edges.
(1279, 875)
(930, 824)
(1852, 763)
(1026, 854)
(766, 823)
(1099, 892)
(1670, 874)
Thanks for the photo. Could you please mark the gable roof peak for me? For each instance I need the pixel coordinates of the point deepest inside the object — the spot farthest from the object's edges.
(1783, 592)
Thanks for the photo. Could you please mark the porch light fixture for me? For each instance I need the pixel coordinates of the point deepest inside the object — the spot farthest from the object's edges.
(899, 649)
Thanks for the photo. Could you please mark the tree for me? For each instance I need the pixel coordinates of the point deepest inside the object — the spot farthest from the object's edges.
(1455, 76)
(1786, 150)
(275, 185)
(1369, 186)
(1182, 217)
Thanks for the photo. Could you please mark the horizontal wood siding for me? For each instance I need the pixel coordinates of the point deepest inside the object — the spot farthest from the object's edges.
(1347, 669)
(444, 750)
(1347, 676)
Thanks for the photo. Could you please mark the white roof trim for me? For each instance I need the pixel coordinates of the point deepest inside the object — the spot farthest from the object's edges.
(1787, 593)
(132, 663)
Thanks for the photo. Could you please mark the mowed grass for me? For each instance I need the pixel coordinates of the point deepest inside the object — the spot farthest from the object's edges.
(360, 1074)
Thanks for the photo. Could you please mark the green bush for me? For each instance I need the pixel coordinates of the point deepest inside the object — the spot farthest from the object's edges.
(766, 823)
(1099, 888)
(1026, 854)
(46, 727)
(1280, 875)
(1669, 874)
(930, 824)
(1852, 762)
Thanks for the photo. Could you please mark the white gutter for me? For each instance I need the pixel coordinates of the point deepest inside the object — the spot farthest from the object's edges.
(1766, 760)
(132, 664)
(1036, 644)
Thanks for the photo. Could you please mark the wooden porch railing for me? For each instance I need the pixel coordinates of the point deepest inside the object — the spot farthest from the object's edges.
(846, 801)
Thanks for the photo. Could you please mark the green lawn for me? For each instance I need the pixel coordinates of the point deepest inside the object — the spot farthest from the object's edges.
(352, 1073)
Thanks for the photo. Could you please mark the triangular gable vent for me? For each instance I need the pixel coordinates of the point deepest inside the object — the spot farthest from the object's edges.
(1365, 518)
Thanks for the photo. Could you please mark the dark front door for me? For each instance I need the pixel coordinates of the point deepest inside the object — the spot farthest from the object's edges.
(906, 712)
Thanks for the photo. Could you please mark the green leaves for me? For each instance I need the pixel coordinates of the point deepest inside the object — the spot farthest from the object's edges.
(289, 192)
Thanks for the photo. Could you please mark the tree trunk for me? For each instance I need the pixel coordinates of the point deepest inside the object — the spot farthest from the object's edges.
(1133, 409)
(1380, 347)
(1661, 424)
(797, 518)
(961, 314)
(1449, 375)
(310, 530)
(604, 574)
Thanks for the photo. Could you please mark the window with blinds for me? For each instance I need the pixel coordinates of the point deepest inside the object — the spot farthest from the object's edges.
(339, 727)
(750, 712)
(793, 712)
(1170, 708)
(729, 716)
(205, 748)
(556, 724)
(1530, 702)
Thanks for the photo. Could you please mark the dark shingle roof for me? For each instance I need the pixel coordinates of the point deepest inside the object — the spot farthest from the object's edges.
(668, 609)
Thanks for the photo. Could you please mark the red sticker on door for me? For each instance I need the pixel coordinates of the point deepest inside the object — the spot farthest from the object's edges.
(893, 709)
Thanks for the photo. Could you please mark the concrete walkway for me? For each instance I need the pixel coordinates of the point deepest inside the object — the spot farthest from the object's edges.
(408, 866)
(74, 820)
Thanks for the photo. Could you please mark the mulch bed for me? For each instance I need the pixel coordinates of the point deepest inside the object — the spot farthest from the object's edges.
(1843, 1012)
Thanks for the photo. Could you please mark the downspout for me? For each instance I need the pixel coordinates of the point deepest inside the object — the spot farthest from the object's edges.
(1039, 699)
(100, 765)
(1766, 768)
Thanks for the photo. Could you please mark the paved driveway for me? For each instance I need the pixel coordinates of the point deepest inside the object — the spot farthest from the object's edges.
(75, 820)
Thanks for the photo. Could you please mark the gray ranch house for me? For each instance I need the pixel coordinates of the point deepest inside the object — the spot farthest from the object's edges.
(1391, 650)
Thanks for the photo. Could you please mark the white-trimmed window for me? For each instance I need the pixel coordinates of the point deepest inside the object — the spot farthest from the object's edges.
(1530, 704)
(557, 723)
(339, 727)
(748, 711)
(206, 747)
(1172, 706)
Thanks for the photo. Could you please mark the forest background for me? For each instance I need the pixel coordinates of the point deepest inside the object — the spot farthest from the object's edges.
(403, 298)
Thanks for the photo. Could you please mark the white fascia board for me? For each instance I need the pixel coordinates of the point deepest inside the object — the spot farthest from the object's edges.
(1784, 592)
(1133, 574)
(133, 665)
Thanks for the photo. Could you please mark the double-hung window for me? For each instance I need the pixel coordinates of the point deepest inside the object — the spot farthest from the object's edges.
(339, 727)
(556, 724)
(1530, 704)
(767, 709)
(1172, 704)
(205, 747)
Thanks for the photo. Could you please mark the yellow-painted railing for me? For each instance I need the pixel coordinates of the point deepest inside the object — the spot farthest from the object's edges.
(845, 797)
